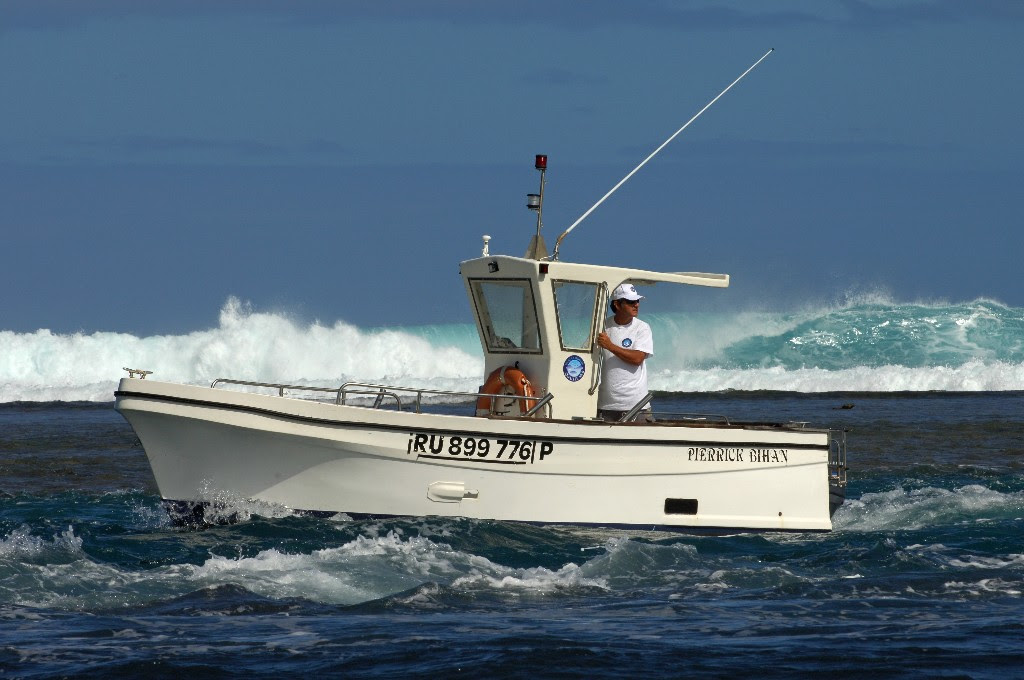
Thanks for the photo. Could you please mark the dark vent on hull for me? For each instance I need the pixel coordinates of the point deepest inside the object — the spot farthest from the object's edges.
(680, 506)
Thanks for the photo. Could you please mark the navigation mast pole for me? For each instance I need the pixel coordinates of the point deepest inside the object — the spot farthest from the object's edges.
(554, 255)
(537, 250)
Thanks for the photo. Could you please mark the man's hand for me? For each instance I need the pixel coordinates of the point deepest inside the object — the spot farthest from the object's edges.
(630, 356)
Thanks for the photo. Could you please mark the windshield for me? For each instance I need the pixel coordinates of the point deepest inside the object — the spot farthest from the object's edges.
(576, 304)
(508, 315)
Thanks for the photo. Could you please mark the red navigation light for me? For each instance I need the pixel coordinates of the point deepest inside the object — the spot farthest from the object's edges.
(541, 162)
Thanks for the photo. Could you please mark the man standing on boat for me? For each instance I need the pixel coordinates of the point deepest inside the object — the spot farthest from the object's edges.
(627, 342)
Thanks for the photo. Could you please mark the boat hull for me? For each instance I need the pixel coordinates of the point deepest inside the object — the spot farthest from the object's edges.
(206, 444)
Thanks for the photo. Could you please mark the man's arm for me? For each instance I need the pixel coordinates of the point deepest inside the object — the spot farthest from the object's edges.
(630, 356)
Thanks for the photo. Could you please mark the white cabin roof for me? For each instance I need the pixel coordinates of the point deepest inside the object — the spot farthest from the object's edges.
(596, 273)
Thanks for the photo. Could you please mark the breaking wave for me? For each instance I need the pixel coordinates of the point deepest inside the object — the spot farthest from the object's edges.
(873, 345)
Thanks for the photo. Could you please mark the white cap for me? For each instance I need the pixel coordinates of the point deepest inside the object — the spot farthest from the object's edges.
(626, 291)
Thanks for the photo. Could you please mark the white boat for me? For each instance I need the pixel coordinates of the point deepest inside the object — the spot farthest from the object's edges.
(528, 447)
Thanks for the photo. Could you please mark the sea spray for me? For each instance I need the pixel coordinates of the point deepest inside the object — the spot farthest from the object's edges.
(246, 345)
(865, 345)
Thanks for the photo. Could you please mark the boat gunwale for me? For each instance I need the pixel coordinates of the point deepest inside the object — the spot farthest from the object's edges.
(649, 427)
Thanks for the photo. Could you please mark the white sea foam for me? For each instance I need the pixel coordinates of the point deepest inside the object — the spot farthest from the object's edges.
(364, 569)
(986, 586)
(225, 507)
(972, 376)
(919, 508)
(974, 346)
(246, 345)
(989, 562)
(21, 544)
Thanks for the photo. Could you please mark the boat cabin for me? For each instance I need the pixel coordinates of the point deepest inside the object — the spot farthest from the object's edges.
(543, 318)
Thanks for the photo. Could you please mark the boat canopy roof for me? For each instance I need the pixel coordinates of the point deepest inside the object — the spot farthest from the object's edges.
(594, 273)
(641, 277)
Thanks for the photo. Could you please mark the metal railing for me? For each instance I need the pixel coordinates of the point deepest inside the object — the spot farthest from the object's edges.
(837, 457)
(539, 405)
(279, 387)
(369, 388)
(600, 320)
(628, 416)
(380, 392)
(691, 417)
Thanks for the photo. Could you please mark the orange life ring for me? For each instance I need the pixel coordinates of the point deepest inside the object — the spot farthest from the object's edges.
(506, 380)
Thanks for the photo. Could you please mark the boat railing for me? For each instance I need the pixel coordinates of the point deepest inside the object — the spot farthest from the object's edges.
(601, 321)
(628, 416)
(276, 386)
(660, 416)
(837, 457)
(354, 388)
(543, 403)
(380, 392)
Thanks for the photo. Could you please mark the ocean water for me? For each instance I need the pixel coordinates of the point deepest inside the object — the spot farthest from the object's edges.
(923, 575)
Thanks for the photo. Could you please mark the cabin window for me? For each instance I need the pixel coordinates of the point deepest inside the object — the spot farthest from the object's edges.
(508, 314)
(576, 304)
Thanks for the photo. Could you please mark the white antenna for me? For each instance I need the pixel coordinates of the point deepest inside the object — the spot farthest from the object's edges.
(554, 255)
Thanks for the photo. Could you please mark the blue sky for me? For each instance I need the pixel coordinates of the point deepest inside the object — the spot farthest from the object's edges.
(335, 160)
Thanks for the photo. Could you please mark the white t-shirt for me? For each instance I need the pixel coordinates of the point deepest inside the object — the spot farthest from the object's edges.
(623, 384)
